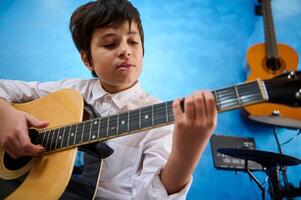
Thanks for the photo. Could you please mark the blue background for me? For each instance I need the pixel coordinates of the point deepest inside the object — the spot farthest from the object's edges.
(190, 44)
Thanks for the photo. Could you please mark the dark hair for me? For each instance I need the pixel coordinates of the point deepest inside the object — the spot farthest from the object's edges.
(98, 14)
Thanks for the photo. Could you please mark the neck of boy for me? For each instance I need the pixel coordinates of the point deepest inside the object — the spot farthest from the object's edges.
(112, 89)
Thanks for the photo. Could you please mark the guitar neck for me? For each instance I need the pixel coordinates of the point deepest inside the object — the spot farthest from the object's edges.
(269, 30)
(145, 118)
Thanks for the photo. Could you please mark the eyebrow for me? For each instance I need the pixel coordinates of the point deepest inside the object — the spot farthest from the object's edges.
(106, 35)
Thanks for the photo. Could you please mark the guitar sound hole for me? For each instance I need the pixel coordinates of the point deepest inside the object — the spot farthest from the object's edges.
(15, 164)
(274, 64)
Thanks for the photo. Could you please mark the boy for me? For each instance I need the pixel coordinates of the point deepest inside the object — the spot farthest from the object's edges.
(156, 164)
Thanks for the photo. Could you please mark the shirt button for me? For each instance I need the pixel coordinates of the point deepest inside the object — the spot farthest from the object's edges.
(108, 98)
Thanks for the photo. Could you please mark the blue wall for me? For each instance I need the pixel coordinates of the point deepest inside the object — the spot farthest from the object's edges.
(195, 44)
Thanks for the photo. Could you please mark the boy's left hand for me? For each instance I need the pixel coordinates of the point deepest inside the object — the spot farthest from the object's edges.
(194, 126)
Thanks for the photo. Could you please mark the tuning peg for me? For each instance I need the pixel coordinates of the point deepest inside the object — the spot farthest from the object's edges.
(292, 75)
(276, 113)
(298, 94)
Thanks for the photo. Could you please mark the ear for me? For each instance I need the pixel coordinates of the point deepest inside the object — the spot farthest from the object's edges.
(85, 60)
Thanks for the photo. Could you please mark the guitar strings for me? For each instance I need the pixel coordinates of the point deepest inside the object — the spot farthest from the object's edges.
(161, 111)
(76, 136)
(136, 114)
(77, 139)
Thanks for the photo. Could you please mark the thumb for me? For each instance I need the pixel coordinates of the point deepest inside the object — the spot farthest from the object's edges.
(34, 122)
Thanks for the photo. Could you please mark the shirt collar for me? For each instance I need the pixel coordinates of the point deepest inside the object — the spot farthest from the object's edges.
(121, 98)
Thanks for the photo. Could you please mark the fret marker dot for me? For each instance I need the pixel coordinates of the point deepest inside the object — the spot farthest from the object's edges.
(113, 128)
(122, 122)
(95, 122)
(72, 134)
(146, 117)
(93, 136)
(60, 137)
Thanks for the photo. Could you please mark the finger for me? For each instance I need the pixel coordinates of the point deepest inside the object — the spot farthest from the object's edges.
(205, 104)
(10, 150)
(34, 122)
(14, 149)
(189, 108)
(27, 147)
(177, 111)
(210, 105)
(199, 105)
(11, 154)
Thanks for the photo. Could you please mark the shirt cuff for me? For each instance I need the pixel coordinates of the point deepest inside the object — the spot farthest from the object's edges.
(159, 188)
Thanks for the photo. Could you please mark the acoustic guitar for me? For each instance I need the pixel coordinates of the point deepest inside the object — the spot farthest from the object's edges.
(267, 60)
(46, 176)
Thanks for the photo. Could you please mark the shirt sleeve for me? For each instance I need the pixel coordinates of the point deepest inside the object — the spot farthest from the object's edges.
(148, 185)
(20, 91)
(133, 172)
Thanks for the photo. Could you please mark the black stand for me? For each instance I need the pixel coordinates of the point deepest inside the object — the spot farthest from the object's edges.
(272, 163)
(254, 179)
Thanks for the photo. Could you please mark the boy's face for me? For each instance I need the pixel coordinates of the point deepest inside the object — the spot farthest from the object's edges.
(116, 54)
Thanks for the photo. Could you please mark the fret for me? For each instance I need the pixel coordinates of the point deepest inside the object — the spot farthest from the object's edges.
(139, 120)
(146, 117)
(53, 139)
(94, 129)
(113, 125)
(123, 123)
(169, 111)
(249, 92)
(66, 140)
(108, 126)
(166, 111)
(134, 120)
(226, 94)
(117, 124)
(45, 134)
(217, 100)
(59, 138)
(103, 127)
(72, 135)
(98, 127)
(227, 98)
(237, 96)
(86, 131)
(47, 144)
(79, 133)
(153, 118)
(159, 114)
(128, 122)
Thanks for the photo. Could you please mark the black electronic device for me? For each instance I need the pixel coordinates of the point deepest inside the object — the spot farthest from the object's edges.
(222, 161)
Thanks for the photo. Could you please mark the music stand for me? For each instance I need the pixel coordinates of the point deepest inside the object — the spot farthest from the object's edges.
(271, 162)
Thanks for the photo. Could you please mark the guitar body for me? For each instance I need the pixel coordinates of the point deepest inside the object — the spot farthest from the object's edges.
(44, 177)
(257, 59)
(268, 60)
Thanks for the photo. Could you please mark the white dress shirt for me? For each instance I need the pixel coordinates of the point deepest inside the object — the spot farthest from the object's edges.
(132, 171)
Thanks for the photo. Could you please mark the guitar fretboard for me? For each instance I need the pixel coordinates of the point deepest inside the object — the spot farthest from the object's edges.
(145, 118)
(269, 30)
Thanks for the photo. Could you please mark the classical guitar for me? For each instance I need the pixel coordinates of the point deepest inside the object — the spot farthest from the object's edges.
(46, 176)
(269, 59)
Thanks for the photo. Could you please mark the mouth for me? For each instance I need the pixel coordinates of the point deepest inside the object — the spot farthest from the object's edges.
(125, 66)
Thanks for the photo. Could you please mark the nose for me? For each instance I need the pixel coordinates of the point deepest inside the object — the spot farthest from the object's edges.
(124, 51)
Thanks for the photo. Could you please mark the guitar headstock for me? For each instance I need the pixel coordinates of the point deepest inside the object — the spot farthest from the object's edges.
(285, 89)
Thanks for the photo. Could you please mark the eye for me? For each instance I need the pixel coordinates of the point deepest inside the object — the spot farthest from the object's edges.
(109, 46)
(134, 42)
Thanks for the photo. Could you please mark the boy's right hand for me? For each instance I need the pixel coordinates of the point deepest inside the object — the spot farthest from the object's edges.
(14, 125)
